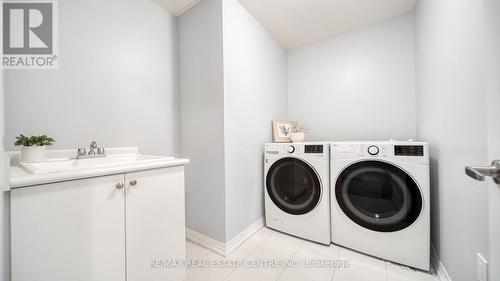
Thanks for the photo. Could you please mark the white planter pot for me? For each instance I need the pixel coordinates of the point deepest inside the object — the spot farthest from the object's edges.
(298, 137)
(32, 154)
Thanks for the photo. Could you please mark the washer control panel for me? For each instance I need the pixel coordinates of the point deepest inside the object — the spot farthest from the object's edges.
(311, 149)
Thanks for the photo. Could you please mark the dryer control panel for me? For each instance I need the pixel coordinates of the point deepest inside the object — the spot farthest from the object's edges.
(415, 152)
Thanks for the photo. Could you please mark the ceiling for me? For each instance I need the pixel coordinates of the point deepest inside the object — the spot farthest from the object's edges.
(296, 23)
(176, 7)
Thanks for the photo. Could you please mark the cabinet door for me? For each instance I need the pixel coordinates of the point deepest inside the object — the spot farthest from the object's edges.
(69, 231)
(155, 224)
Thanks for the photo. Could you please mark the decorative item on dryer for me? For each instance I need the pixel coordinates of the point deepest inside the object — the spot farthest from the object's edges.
(282, 130)
(33, 148)
(298, 133)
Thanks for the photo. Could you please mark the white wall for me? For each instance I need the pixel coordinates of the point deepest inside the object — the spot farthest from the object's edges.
(116, 82)
(233, 83)
(202, 117)
(4, 196)
(452, 118)
(255, 92)
(356, 86)
(492, 8)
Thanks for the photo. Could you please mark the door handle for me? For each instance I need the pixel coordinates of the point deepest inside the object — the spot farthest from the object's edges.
(480, 173)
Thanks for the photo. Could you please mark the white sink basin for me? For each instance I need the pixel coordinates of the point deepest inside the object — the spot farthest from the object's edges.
(61, 165)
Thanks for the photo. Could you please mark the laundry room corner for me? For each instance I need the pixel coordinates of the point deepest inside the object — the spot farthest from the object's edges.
(250, 71)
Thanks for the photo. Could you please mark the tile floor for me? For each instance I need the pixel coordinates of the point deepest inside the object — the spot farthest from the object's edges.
(271, 245)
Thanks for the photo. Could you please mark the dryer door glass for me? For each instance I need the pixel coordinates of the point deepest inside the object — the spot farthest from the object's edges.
(293, 186)
(378, 196)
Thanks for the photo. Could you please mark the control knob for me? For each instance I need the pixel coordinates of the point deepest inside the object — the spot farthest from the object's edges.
(373, 150)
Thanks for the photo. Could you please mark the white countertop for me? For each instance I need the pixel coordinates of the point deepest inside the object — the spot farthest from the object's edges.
(20, 177)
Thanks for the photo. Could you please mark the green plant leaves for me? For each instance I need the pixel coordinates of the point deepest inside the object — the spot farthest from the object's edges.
(44, 140)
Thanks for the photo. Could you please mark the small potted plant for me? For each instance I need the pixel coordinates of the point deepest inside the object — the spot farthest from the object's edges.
(34, 148)
(298, 133)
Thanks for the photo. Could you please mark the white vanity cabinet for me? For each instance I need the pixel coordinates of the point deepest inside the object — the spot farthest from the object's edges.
(107, 228)
(69, 231)
(155, 224)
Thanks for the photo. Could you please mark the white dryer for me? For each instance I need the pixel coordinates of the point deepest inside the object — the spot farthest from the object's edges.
(297, 197)
(380, 198)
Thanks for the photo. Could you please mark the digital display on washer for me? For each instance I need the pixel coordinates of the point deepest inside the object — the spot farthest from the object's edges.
(408, 150)
(314, 149)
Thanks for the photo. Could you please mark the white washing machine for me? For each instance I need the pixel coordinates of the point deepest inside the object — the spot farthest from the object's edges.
(381, 200)
(297, 197)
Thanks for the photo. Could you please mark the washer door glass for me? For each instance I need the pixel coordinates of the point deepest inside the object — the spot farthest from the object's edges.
(293, 186)
(378, 196)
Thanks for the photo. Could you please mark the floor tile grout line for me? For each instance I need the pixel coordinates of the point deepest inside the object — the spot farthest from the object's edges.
(333, 274)
(281, 273)
(386, 271)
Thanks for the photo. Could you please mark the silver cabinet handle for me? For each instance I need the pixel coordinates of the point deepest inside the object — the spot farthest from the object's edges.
(133, 182)
(480, 173)
(119, 185)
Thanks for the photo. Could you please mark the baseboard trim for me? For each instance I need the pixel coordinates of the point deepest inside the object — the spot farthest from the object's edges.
(439, 266)
(222, 248)
(234, 243)
(206, 242)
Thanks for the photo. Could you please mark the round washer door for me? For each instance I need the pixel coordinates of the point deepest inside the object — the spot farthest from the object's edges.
(378, 196)
(293, 186)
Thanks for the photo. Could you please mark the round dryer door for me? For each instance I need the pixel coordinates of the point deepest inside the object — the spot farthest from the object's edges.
(293, 186)
(378, 196)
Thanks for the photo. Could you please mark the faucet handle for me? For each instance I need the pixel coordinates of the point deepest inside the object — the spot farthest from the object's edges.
(82, 151)
(101, 151)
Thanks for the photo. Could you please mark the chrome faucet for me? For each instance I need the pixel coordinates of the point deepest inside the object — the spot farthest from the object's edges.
(93, 148)
(94, 152)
